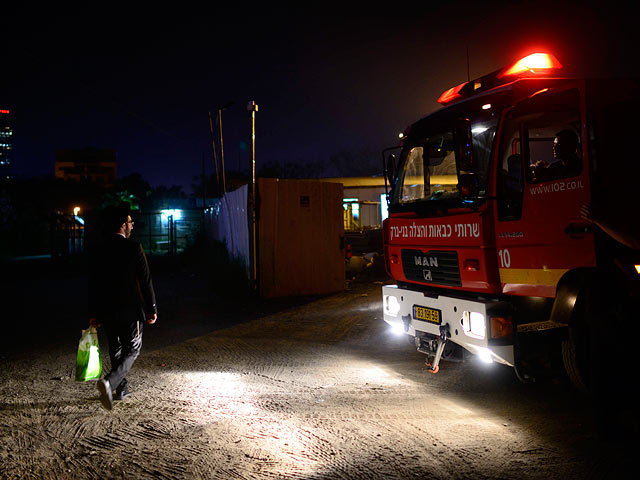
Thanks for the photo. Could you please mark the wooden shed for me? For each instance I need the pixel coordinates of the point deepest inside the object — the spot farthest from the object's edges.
(300, 237)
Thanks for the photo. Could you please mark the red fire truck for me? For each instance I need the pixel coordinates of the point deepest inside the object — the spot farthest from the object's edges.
(513, 223)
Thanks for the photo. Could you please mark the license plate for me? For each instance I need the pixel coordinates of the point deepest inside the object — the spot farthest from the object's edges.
(426, 314)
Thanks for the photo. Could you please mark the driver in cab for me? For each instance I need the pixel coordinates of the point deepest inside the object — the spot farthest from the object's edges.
(567, 162)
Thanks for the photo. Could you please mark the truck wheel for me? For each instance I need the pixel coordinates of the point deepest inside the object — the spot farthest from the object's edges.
(576, 350)
(575, 361)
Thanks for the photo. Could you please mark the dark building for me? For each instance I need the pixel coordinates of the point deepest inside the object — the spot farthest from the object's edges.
(87, 164)
(6, 145)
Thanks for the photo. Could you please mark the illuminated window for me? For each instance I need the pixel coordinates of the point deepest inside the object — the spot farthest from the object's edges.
(384, 210)
(355, 206)
(175, 213)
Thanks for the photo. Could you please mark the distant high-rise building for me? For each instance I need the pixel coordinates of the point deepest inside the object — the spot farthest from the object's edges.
(87, 164)
(6, 145)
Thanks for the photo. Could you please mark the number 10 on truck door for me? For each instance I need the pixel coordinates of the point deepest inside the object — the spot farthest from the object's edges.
(505, 258)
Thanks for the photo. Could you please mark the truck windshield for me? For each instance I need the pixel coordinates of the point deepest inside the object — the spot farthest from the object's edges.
(428, 166)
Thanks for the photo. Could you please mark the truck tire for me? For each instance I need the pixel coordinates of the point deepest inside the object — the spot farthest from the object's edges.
(575, 363)
(602, 315)
(577, 348)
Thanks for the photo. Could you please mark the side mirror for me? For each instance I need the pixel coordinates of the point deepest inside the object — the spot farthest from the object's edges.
(468, 185)
(464, 151)
(390, 168)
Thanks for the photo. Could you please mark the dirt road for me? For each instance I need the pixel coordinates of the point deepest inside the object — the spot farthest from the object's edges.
(316, 391)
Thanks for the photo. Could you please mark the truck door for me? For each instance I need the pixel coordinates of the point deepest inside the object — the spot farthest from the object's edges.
(543, 180)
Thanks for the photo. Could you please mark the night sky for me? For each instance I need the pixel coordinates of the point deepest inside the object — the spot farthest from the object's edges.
(326, 81)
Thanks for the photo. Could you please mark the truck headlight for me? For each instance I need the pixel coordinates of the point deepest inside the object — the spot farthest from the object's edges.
(398, 329)
(391, 305)
(473, 325)
(484, 354)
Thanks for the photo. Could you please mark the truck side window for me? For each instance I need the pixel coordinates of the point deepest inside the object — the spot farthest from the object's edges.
(540, 142)
(552, 126)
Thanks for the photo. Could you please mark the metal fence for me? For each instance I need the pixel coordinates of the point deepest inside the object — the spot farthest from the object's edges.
(167, 232)
(67, 235)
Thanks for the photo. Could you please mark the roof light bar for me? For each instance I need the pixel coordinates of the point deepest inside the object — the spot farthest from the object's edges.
(531, 65)
(535, 63)
(451, 94)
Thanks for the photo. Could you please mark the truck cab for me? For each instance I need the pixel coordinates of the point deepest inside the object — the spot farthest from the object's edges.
(487, 236)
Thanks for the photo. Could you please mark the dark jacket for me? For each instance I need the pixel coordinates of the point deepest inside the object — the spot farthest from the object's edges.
(119, 278)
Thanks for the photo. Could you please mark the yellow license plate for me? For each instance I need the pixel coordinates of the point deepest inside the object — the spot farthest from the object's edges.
(426, 314)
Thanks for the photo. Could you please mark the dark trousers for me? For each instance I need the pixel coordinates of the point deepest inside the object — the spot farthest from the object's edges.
(124, 332)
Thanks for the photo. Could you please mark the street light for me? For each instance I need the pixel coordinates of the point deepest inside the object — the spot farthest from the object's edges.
(74, 228)
(253, 108)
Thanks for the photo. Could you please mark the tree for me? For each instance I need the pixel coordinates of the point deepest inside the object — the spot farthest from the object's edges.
(210, 186)
(162, 196)
(132, 190)
(29, 206)
(300, 169)
(355, 163)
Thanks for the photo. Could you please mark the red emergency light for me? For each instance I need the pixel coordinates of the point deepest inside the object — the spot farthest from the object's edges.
(5, 111)
(536, 63)
(451, 94)
(531, 65)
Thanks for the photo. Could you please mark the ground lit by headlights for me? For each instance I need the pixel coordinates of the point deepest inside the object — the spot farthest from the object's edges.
(322, 391)
(311, 413)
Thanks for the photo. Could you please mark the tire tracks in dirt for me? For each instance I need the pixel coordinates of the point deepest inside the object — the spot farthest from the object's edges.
(316, 392)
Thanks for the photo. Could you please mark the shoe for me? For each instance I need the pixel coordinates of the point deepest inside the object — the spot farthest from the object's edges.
(106, 397)
(121, 394)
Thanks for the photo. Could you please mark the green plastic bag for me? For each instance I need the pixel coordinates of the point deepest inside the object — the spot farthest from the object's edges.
(88, 361)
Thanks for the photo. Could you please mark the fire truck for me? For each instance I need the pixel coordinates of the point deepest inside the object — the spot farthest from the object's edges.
(513, 223)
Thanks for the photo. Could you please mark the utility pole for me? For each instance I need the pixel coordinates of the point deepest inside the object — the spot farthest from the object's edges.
(468, 72)
(204, 182)
(253, 108)
(215, 157)
(220, 109)
(224, 183)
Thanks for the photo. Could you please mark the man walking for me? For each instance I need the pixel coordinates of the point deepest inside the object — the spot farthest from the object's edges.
(121, 297)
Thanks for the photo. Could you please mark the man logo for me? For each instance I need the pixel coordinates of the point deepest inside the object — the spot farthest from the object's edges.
(426, 261)
(427, 275)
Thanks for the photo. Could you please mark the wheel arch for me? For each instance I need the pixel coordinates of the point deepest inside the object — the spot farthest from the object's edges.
(568, 290)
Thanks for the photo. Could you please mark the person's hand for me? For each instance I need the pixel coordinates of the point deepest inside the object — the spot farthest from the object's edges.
(540, 164)
(539, 170)
(151, 318)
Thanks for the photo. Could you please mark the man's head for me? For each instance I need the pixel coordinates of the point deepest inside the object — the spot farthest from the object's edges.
(118, 220)
(127, 227)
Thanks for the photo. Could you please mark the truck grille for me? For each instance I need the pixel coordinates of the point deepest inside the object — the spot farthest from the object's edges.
(433, 267)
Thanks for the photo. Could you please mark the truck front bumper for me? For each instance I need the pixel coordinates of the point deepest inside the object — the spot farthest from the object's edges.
(468, 321)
